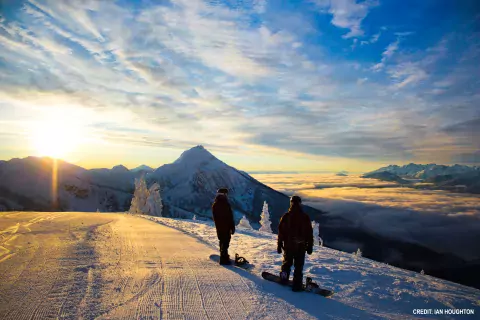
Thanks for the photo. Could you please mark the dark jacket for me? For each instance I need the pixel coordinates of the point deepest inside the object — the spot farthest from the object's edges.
(223, 215)
(295, 230)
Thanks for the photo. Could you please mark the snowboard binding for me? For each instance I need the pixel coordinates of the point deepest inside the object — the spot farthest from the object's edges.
(310, 285)
(240, 261)
(284, 277)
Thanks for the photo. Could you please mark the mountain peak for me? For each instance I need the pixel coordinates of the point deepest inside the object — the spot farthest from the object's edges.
(195, 155)
(142, 167)
(119, 168)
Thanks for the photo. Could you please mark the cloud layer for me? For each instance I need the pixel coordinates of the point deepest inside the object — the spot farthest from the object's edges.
(442, 221)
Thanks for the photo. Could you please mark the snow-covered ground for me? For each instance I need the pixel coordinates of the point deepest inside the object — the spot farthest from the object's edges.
(74, 265)
(360, 283)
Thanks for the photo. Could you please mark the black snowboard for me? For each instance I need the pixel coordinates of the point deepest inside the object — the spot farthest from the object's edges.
(216, 258)
(275, 278)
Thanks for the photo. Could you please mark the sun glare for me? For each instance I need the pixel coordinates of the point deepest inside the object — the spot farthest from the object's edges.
(56, 136)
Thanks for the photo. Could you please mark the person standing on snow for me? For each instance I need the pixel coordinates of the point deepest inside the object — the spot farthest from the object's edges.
(295, 236)
(224, 223)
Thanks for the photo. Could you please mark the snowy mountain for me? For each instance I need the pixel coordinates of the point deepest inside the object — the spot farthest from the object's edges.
(143, 168)
(457, 178)
(189, 185)
(385, 176)
(424, 171)
(27, 184)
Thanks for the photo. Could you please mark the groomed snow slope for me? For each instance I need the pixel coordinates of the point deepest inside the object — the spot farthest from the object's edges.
(359, 283)
(74, 265)
(117, 266)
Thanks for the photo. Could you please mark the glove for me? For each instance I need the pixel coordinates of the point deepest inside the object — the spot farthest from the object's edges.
(309, 249)
(279, 248)
(232, 231)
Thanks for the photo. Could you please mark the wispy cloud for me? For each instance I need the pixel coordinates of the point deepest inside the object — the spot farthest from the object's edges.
(347, 14)
(388, 53)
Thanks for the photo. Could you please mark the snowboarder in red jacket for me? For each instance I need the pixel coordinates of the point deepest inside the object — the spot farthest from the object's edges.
(224, 223)
(295, 236)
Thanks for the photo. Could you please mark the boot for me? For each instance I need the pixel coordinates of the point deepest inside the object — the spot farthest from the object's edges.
(225, 259)
(297, 285)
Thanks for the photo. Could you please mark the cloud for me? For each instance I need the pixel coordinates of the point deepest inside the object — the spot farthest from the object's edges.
(373, 39)
(387, 54)
(407, 74)
(347, 14)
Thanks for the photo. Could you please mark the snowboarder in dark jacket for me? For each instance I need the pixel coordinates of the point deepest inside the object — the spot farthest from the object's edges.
(295, 236)
(224, 223)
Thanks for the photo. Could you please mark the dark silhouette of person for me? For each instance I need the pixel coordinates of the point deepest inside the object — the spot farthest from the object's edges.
(295, 236)
(224, 223)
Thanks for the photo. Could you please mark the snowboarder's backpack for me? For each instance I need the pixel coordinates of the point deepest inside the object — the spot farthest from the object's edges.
(240, 261)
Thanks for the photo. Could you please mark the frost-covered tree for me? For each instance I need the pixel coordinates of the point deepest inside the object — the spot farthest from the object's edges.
(316, 231)
(244, 223)
(265, 219)
(154, 201)
(140, 196)
(194, 217)
(422, 272)
(358, 253)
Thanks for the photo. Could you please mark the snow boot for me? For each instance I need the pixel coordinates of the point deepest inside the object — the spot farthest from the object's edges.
(225, 260)
(297, 285)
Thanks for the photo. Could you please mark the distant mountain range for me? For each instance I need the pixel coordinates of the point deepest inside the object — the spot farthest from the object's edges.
(386, 176)
(457, 178)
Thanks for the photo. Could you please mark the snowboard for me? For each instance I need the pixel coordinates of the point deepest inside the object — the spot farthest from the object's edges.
(216, 258)
(275, 278)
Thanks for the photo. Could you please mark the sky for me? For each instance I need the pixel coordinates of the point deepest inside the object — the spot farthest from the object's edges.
(277, 85)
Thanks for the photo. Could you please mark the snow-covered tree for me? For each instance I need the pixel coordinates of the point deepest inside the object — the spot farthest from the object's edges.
(315, 232)
(358, 253)
(194, 217)
(154, 201)
(140, 196)
(265, 219)
(245, 223)
(422, 272)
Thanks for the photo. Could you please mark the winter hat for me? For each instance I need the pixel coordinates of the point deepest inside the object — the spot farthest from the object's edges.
(223, 190)
(295, 199)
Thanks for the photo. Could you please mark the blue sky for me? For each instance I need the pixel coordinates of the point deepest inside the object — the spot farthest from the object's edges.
(284, 85)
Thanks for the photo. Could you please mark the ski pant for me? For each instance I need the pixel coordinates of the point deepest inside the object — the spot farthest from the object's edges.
(295, 257)
(224, 239)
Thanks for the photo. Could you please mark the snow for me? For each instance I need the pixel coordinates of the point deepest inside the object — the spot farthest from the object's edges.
(244, 223)
(74, 265)
(378, 289)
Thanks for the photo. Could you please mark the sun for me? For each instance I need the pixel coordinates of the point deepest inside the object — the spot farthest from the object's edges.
(56, 136)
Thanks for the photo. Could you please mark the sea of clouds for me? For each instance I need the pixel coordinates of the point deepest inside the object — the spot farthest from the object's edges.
(440, 220)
